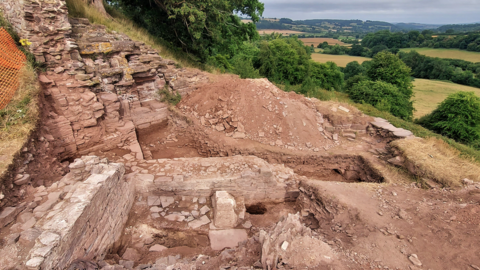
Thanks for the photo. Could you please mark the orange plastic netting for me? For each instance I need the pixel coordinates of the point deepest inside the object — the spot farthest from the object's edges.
(11, 61)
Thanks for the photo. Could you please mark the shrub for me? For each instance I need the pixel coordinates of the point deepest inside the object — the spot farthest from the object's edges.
(457, 117)
(387, 67)
(352, 69)
(384, 96)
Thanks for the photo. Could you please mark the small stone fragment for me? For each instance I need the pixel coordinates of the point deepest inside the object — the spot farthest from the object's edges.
(414, 259)
(284, 245)
(157, 248)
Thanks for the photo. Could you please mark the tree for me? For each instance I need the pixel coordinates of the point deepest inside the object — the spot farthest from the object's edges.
(357, 50)
(204, 27)
(352, 69)
(98, 4)
(457, 117)
(387, 67)
(384, 96)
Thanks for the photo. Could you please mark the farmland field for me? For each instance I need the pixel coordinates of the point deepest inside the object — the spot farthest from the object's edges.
(316, 41)
(429, 93)
(340, 60)
(285, 32)
(447, 53)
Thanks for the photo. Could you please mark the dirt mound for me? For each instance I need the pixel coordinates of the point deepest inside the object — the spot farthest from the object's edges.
(259, 111)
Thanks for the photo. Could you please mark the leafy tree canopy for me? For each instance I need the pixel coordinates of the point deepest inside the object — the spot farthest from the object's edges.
(457, 117)
(387, 67)
(384, 96)
(204, 27)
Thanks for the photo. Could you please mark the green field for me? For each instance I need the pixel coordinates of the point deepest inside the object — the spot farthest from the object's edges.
(340, 60)
(429, 93)
(447, 53)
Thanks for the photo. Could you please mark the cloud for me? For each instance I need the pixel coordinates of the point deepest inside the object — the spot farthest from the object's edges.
(422, 11)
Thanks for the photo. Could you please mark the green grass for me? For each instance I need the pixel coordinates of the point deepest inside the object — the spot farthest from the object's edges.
(340, 60)
(447, 53)
(429, 93)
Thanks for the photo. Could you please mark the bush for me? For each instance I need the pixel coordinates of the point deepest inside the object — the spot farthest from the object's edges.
(457, 117)
(387, 67)
(384, 96)
(352, 69)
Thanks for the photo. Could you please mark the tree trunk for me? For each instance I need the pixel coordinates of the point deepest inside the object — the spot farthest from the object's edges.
(98, 4)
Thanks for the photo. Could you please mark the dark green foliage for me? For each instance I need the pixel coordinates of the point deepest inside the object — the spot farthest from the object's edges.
(352, 69)
(283, 60)
(336, 50)
(357, 50)
(457, 117)
(412, 39)
(376, 49)
(457, 71)
(387, 67)
(460, 27)
(354, 80)
(326, 76)
(205, 28)
(384, 96)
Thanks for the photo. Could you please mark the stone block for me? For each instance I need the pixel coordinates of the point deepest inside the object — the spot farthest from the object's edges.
(203, 220)
(224, 210)
(157, 248)
(220, 239)
(131, 254)
(9, 214)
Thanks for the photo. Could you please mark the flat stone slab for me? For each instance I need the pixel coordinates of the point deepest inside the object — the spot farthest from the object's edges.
(402, 133)
(226, 238)
(204, 220)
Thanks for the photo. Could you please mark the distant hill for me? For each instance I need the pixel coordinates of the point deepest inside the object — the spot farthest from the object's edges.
(326, 25)
(329, 25)
(417, 26)
(458, 28)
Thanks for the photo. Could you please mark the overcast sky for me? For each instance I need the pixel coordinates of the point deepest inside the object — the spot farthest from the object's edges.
(420, 11)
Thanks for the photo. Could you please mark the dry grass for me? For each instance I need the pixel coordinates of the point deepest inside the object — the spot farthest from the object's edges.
(316, 41)
(447, 53)
(429, 93)
(340, 60)
(19, 118)
(119, 23)
(434, 159)
(284, 32)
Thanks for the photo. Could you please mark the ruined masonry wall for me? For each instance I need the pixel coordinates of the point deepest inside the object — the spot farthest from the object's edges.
(90, 218)
(242, 176)
(100, 86)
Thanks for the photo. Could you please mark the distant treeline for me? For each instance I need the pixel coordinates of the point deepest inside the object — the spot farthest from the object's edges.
(460, 27)
(470, 42)
(457, 71)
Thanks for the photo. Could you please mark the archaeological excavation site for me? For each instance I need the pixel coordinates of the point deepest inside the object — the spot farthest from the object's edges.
(238, 175)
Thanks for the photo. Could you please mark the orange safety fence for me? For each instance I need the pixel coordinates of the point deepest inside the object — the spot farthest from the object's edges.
(11, 61)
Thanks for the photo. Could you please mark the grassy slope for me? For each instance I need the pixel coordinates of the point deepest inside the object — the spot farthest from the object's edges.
(340, 60)
(447, 53)
(429, 93)
(19, 118)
